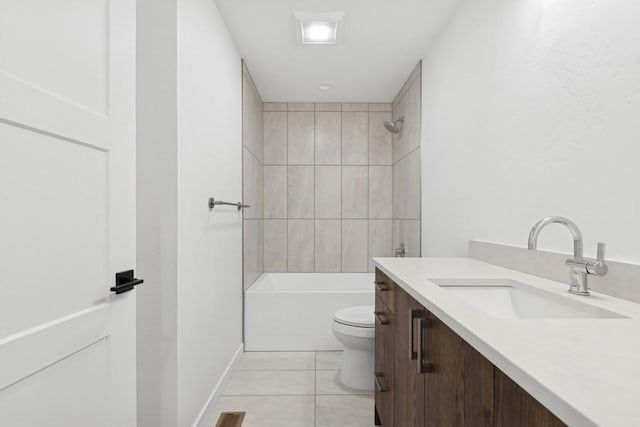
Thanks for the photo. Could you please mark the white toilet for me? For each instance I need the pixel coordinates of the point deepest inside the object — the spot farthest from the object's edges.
(354, 327)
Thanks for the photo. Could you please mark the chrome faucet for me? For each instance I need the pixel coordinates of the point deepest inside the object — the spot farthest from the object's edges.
(401, 251)
(579, 266)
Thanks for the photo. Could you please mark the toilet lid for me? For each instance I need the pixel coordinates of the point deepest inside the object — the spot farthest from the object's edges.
(360, 316)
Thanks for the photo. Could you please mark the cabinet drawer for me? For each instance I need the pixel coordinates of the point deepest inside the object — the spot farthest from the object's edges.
(385, 290)
(384, 364)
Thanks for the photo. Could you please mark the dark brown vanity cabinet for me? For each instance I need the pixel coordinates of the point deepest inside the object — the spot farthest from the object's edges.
(384, 356)
(427, 375)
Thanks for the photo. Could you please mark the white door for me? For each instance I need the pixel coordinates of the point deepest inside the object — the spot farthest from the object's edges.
(67, 212)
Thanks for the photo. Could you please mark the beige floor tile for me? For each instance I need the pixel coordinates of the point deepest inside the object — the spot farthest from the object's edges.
(328, 360)
(275, 361)
(344, 411)
(328, 382)
(244, 383)
(270, 411)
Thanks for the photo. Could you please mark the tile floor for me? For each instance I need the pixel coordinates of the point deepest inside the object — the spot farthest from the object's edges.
(294, 389)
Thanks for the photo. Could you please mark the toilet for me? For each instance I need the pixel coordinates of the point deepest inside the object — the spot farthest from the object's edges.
(354, 327)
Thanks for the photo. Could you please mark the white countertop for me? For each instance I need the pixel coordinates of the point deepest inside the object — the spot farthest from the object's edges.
(585, 371)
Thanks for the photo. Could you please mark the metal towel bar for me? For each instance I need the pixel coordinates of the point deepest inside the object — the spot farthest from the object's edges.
(213, 203)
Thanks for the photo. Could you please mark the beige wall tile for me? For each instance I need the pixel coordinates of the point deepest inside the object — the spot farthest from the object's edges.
(328, 192)
(328, 138)
(355, 191)
(275, 138)
(379, 140)
(412, 183)
(300, 106)
(354, 245)
(380, 106)
(406, 187)
(275, 191)
(300, 238)
(252, 249)
(355, 106)
(328, 106)
(399, 112)
(397, 185)
(300, 190)
(252, 135)
(275, 245)
(412, 120)
(328, 245)
(274, 106)
(380, 239)
(407, 231)
(380, 187)
(416, 73)
(355, 138)
(252, 185)
(301, 138)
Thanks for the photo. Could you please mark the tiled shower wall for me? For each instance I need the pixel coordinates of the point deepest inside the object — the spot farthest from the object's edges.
(406, 165)
(252, 180)
(327, 186)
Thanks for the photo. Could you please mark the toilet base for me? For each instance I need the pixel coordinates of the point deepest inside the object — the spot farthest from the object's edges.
(357, 369)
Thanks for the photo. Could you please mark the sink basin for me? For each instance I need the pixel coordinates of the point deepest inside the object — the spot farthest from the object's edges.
(508, 299)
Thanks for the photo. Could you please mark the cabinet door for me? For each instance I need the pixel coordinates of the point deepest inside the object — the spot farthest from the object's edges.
(516, 407)
(384, 364)
(459, 388)
(409, 402)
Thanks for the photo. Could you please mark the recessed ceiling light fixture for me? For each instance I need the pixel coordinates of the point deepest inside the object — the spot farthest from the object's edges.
(319, 28)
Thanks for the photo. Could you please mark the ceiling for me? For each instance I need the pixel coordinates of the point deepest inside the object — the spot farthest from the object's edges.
(379, 44)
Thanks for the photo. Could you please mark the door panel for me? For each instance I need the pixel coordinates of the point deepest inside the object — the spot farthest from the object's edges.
(53, 224)
(66, 400)
(67, 222)
(47, 34)
(409, 383)
(514, 406)
(459, 390)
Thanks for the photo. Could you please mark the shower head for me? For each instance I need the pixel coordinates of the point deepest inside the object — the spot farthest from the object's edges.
(394, 127)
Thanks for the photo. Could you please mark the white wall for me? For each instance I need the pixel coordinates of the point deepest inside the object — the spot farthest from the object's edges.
(209, 243)
(531, 108)
(157, 213)
(189, 149)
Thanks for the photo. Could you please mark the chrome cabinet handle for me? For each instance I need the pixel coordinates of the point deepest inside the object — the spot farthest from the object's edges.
(381, 383)
(381, 317)
(413, 315)
(423, 367)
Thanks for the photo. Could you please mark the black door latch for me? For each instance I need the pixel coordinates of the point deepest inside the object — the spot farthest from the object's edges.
(125, 282)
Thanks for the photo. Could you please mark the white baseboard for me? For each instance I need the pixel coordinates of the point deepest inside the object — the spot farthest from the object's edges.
(219, 387)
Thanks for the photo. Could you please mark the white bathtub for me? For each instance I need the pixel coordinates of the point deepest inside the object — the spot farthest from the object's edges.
(294, 311)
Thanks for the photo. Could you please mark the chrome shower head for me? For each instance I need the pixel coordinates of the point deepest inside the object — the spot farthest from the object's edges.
(394, 127)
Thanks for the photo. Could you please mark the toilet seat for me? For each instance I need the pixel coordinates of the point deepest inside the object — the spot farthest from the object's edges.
(360, 316)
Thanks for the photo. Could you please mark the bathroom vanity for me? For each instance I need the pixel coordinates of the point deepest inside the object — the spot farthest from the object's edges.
(464, 343)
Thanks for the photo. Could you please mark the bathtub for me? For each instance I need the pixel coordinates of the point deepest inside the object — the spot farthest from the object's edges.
(294, 311)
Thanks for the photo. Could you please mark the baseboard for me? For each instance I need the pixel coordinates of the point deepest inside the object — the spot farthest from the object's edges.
(219, 387)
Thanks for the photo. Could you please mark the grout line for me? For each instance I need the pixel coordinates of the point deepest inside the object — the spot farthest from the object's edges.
(286, 258)
(315, 390)
(341, 193)
(368, 256)
(280, 370)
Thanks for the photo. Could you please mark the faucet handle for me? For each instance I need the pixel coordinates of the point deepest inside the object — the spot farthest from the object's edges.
(598, 268)
(601, 249)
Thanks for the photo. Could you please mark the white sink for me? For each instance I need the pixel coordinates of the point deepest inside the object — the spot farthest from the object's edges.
(508, 299)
